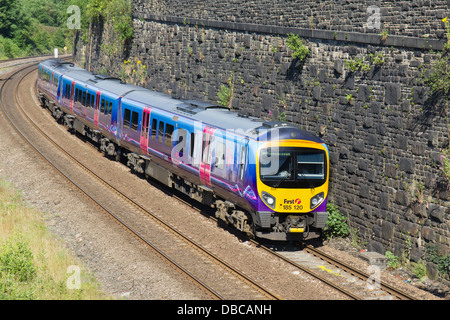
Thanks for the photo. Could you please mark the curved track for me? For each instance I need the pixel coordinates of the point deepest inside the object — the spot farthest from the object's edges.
(136, 214)
(219, 279)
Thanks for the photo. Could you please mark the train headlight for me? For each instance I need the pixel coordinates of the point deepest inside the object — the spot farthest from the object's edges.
(316, 200)
(268, 199)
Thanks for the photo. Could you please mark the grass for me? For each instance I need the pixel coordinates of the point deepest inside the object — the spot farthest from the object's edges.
(33, 264)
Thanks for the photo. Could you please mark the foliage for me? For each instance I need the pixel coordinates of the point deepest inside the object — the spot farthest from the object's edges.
(33, 264)
(392, 260)
(377, 59)
(357, 64)
(438, 77)
(226, 93)
(419, 269)
(31, 27)
(134, 72)
(447, 28)
(434, 255)
(299, 49)
(336, 226)
(16, 259)
(445, 160)
(384, 35)
(115, 12)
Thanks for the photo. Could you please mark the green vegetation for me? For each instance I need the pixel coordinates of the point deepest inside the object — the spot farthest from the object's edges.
(357, 64)
(33, 265)
(336, 226)
(299, 49)
(226, 93)
(438, 77)
(33, 27)
(384, 35)
(445, 160)
(377, 59)
(447, 28)
(114, 12)
(134, 72)
(434, 254)
(392, 260)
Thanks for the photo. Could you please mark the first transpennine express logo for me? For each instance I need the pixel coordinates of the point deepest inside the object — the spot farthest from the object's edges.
(293, 201)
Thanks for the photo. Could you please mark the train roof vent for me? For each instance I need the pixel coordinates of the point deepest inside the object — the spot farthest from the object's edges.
(187, 108)
(274, 124)
(106, 77)
(59, 63)
(192, 107)
(204, 105)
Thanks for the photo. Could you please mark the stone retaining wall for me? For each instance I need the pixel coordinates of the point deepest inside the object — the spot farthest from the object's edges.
(384, 135)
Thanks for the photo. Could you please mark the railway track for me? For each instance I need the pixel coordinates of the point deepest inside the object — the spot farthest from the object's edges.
(215, 276)
(347, 279)
(294, 258)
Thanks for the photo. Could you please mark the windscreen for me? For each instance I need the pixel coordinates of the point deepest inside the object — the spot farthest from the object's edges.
(286, 167)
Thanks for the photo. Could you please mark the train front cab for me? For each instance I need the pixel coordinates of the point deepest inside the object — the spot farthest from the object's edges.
(292, 180)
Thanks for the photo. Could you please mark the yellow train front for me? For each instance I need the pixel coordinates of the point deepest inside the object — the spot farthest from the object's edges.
(292, 178)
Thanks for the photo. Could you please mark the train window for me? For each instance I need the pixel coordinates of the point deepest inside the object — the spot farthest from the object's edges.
(110, 108)
(242, 164)
(169, 133)
(154, 123)
(102, 106)
(126, 118)
(83, 99)
(88, 100)
(134, 120)
(161, 132)
(206, 153)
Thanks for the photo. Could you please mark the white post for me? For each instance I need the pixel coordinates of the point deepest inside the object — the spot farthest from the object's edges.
(56, 53)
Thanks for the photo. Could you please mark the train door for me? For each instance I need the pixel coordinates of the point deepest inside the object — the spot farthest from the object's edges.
(59, 92)
(52, 85)
(97, 108)
(119, 124)
(243, 160)
(205, 163)
(145, 129)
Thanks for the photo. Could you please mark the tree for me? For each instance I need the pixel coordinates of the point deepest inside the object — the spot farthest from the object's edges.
(10, 17)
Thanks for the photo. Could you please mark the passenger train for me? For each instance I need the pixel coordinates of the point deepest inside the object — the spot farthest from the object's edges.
(268, 179)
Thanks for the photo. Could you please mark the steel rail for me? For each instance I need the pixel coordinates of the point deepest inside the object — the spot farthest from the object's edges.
(205, 287)
(357, 273)
(308, 271)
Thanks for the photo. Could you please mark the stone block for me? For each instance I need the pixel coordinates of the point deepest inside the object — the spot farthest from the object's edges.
(359, 146)
(384, 201)
(374, 259)
(407, 165)
(402, 197)
(339, 66)
(392, 93)
(437, 212)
